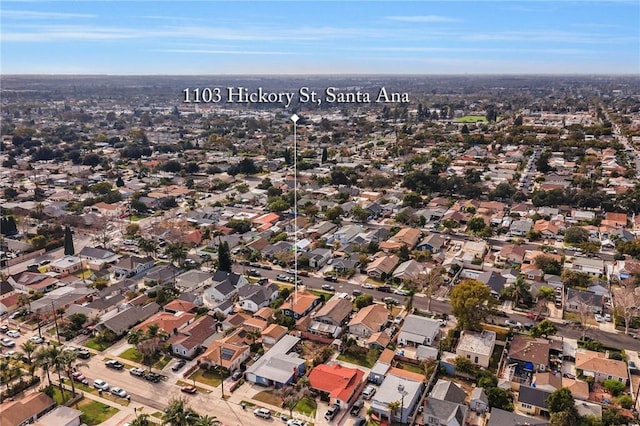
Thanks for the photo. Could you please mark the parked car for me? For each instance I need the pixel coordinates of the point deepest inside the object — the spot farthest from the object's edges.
(512, 323)
(360, 421)
(189, 389)
(116, 365)
(331, 278)
(236, 376)
(391, 300)
(295, 422)
(282, 277)
(4, 328)
(401, 292)
(368, 392)
(13, 333)
(597, 317)
(254, 273)
(82, 353)
(331, 412)
(7, 343)
(368, 286)
(78, 377)
(384, 288)
(153, 377)
(100, 385)
(178, 365)
(328, 287)
(357, 406)
(262, 412)
(36, 339)
(135, 371)
(119, 392)
(607, 317)
(356, 293)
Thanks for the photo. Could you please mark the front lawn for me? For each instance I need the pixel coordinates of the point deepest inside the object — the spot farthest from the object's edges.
(268, 397)
(94, 412)
(306, 406)
(132, 354)
(470, 119)
(365, 359)
(208, 377)
(97, 345)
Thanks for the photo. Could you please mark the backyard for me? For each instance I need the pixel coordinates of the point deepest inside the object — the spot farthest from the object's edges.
(365, 359)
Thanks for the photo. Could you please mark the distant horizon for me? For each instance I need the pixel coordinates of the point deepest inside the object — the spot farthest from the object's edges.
(637, 75)
(136, 38)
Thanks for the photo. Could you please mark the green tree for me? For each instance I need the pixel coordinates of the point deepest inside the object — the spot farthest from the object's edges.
(363, 300)
(544, 328)
(325, 154)
(141, 420)
(28, 348)
(548, 264)
(69, 250)
(560, 400)
(224, 257)
(500, 398)
(360, 214)
(148, 246)
(135, 336)
(178, 413)
(575, 278)
(576, 235)
(519, 291)
(393, 406)
(614, 387)
(465, 366)
(207, 420)
(476, 224)
(471, 301)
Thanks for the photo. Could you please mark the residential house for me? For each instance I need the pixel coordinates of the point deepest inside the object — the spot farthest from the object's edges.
(510, 254)
(33, 281)
(433, 242)
(446, 390)
(409, 270)
(254, 297)
(382, 266)
(26, 410)
(272, 334)
(131, 266)
(529, 354)
(66, 266)
(597, 365)
(109, 210)
(335, 312)
(520, 227)
(123, 320)
(588, 265)
(494, 281)
(408, 237)
(318, 257)
(439, 412)
(477, 347)
(97, 256)
(167, 322)
(346, 234)
(229, 352)
(279, 366)
(396, 386)
(162, 274)
(340, 385)
(194, 280)
(60, 416)
(479, 401)
(417, 330)
(619, 220)
(224, 287)
(381, 340)
(577, 300)
(368, 321)
(546, 228)
(194, 337)
(533, 401)
(300, 304)
(178, 305)
(342, 265)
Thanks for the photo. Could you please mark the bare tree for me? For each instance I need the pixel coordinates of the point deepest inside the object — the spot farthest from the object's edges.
(627, 304)
(585, 312)
(428, 283)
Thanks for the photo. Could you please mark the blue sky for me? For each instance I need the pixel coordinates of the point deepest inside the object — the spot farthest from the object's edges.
(304, 37)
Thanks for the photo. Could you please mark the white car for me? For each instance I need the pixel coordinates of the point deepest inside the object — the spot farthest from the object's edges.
(13, 333)
(598, 318)
(119, 392)
(401, 292)
(607, 317)
(262, 412)
(36, 339)
(6, 342)
(368, 286)
(100, 384)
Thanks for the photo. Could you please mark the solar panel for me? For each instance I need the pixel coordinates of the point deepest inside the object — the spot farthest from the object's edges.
(227, 353)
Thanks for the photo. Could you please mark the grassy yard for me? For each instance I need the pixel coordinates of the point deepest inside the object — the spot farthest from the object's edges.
(207, 377)
(470, 119)
(495, 358)
(94, 412)
(84, 274)
(325, 294)
(366, 359)
(268, 397)
(410, 367)
(132, 354)
(97, 345)
(182, 383)
(162, 362)
(58, 397)
(306, 406)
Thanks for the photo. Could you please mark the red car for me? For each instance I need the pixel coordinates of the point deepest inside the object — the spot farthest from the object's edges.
(189, 389)
(78, 377)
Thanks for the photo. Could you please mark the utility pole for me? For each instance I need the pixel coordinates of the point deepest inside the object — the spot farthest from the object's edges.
(55, 321)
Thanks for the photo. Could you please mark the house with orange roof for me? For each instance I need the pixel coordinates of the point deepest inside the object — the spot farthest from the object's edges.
(579, 388)
(546, 228)
(254, 324)
(228, 353)
(267, 218)
(341, 385)
(616, 219)
(178, 305)
(368, 320)
(382, 266)
(272, 334)
(26, 410)
(167, 322)
(109, 210)
(597, 365)
(405, 237)
(300, 304)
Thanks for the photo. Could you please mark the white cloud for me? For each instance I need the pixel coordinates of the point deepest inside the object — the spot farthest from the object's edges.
(223, 51)
(29, 14)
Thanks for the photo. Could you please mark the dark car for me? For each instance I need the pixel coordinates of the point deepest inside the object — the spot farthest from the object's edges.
(356, 293)
(328, 287)
(83, 353)
(357, 406)
(189, 389)
(384, 288)
(116, 365)
(153, 377)
(331, 278)
(178, 365)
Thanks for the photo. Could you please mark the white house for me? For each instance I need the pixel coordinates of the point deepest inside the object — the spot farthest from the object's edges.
(417, 330)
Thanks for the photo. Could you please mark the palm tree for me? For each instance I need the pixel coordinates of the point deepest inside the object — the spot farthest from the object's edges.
(177, 252)
(148, 246)
(152, 331)
(545, 294)
(141, 420)
(28, 348)
(43, 360)
(178, 414)
(135, 336)
(393, 408)
(519, 290)
(207, 420)
(68, 360)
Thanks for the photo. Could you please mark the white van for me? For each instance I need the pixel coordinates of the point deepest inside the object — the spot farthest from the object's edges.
(368, 392)
(262, 412)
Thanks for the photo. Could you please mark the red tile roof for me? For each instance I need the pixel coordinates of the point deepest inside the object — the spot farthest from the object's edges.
(338, 381)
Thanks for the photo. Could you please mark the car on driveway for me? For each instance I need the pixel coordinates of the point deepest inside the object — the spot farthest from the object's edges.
(116, 365)
(119, 392)
(13, 333)
(189, 389)
(236, 376)
(101, 384)
(4, 328)
(597, 317)
(178, 365)
(368, 392)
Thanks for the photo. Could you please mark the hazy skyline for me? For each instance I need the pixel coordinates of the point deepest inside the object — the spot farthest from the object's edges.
(154, 37)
